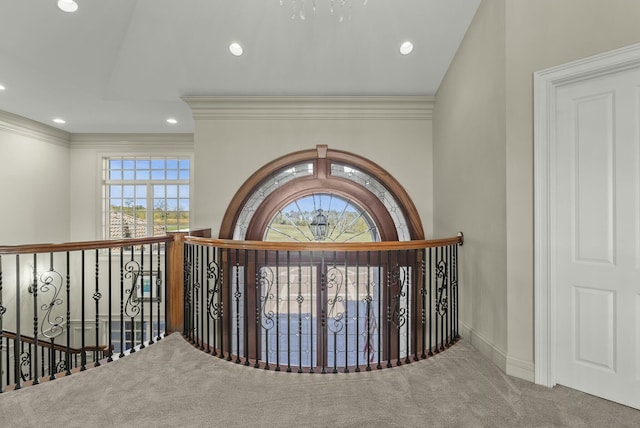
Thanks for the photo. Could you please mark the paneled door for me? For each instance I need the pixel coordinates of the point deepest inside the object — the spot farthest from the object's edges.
(595, 224)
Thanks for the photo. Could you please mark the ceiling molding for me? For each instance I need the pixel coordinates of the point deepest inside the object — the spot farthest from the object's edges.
(312, 108)
(132, 141)
(30, 128)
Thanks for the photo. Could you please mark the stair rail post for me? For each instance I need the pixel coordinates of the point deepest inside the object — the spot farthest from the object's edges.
(174, 309)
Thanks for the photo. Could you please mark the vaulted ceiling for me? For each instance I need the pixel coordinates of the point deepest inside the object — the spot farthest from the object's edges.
(123, 65)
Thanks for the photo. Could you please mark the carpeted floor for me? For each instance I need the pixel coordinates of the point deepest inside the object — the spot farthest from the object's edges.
(172, 384)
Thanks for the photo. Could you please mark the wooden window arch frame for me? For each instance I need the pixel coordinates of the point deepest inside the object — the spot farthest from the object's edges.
(322, 182)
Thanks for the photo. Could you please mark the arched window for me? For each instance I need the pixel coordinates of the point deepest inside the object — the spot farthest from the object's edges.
(321, 195)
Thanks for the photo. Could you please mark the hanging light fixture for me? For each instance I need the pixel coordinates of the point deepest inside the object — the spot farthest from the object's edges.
(340, 7)
(319, 226)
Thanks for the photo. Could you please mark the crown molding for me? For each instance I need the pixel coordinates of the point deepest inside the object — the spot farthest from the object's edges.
(318, 108)
(131, 141)
(30, 128)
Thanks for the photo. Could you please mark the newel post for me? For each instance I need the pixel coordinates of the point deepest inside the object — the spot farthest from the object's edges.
(175, 283)
(175, 279)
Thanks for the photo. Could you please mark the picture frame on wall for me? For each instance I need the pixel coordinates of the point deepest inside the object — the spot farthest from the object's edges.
(150, 286)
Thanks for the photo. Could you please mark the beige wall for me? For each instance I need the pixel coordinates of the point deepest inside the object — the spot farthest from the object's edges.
(34, 182)
(532, 35)
(469, 176)
(228, 151)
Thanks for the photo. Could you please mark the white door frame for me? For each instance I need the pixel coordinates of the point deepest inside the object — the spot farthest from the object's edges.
(546, 83)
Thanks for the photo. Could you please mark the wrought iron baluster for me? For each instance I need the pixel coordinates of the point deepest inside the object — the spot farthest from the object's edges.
(140, 297)
(110, 294)
(83, 355)
(122, 302)
(277, 311)
(300, 300)
(97, 295)
(68, 319)
(245, 308)
(288, 311)
(34, 290)
(16, 344)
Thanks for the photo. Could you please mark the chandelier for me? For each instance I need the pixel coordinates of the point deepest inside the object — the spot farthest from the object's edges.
(341, 8)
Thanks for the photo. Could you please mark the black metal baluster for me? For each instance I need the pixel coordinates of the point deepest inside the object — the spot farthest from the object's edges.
(357, 301)
(370, 315)
(197, 291)
(431, 302)
(323, 313)
(449, 313)
(346, 313)
(208, 293)
(455, 304)
(277, 311)
(96, 297)
(122, 326)
(34, 290)
(140, 282)
(236, 298)
(300, 300)
(381, 288)
(257, 298)
(288, 311)
(83, 355)
(161, 291)
(389, 308)
(410, 275)
(203, 295)
(16, 344)
(313, 291)
(68, 320)
(110, 293)
(423, 294)
(153, 292)
(245, 307)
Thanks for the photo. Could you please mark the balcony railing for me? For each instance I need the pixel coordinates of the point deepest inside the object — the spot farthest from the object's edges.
(321, 307)
(313, 307)
(67, 307)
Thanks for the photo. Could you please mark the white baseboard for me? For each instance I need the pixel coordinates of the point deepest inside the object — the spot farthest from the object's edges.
(510, 365)
(521, 369)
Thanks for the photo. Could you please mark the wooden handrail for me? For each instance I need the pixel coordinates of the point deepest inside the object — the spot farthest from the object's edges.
(327, 246)
(85, 245)
(55, 346)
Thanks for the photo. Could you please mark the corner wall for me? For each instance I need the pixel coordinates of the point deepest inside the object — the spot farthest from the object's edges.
(34, 182)
(483, 153)
(470, 174)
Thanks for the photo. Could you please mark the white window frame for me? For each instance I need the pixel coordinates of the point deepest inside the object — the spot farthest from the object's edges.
(106, 182)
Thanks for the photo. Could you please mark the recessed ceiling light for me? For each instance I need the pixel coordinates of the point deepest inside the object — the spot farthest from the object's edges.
(67, 5)
(172, 121)
(236, 49)
(60, 121)
(406, 48)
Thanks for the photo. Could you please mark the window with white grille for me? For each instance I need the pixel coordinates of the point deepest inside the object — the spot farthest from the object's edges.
(145, 196)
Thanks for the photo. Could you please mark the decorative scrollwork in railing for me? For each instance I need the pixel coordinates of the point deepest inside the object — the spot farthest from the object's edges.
(335, 284)
(25, 366)
(399, 312)
(214, 306)
(61, 366)
(265, 280)
(51, 283)
(442, 302)
(133, 271)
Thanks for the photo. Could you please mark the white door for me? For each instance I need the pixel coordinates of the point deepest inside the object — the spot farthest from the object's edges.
(596, 225)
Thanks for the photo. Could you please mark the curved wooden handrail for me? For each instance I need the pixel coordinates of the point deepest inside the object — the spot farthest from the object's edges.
(327, 246)
(84, 245)
(55, 346)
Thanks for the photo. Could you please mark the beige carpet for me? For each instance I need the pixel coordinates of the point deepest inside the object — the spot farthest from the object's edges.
(172, 384)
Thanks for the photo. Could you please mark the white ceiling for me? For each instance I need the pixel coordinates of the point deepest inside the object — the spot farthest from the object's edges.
(122, 65)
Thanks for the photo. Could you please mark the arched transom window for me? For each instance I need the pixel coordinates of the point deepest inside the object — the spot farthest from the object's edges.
(321, 195)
